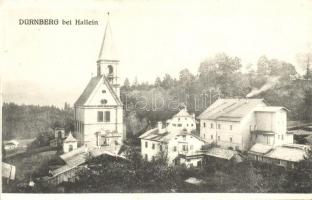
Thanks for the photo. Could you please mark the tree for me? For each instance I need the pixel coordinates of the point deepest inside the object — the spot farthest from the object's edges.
(304, 61)
(299, 179)
(157, 82)
(135, 83)
(126, 83)
(307, 103)
(263, 66)
(167, 82)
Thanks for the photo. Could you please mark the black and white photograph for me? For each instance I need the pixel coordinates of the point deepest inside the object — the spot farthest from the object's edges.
(133, 97)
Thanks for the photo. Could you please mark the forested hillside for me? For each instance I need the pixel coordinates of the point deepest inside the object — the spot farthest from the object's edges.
(27, 121)
(220, 76)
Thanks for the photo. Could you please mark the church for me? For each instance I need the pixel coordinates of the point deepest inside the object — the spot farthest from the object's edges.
(99, 110)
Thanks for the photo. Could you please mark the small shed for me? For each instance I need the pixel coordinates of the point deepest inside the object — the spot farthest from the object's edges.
(70, 143)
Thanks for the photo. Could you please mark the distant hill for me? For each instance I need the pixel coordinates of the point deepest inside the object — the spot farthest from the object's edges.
(27, 121)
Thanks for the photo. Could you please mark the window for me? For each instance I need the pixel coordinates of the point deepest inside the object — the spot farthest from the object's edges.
(178, 119)
(145, 156)
(211, 137)
(160, 148)
(204, 124)
(107, 116)
(146, 144)
(103, 101)
(187, 125)
(184, 137)
(282, 137)
(174, 125)
(219, 138)
(110, 69)
(191, 147)
(153, 146)
(211, 125)
(204, 136)
(179, 125)
(192, 124)
(231, 139)
(184, 147)
(231, 127)
(219, 126)
(103, 91)
(175, 148)
(100, 116)
(185, 119)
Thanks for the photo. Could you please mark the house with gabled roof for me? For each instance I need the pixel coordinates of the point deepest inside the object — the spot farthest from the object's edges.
(99, 110)
(240, 123)
(175, 139)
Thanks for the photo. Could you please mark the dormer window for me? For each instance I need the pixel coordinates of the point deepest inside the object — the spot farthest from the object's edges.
(103, 101)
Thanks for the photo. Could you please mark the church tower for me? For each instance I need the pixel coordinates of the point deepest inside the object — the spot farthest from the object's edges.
(107, 63)
(99, 110)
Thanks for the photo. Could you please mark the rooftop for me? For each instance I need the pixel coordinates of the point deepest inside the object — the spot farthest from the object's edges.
(230, 109)
(260, 148)
(286, 153)
(83, 98)
(154, 135)
(183, 113)
(70, 138)
(270, 109)
(226, 154)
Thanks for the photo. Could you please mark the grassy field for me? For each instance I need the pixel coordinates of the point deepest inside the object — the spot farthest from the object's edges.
(29, 163)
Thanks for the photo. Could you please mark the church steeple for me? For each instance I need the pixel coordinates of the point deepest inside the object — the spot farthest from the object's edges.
(107, 51)
(107, 63)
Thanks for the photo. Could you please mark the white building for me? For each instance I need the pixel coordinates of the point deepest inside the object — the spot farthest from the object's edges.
(172, 140)
(99, 110)
(182, 121)
(240, 123)
(69, 144)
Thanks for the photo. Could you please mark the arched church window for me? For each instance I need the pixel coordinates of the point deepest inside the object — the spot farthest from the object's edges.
(103, 101)
(110, 69)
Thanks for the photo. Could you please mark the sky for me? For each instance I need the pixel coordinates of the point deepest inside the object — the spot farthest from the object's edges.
(52, 64)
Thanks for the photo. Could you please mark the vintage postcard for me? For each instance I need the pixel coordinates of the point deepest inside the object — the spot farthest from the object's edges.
(130, 97)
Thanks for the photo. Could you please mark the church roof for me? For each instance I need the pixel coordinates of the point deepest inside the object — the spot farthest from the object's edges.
(90, 88)
(107, 51)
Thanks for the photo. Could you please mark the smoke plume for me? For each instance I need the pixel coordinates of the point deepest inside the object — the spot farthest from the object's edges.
(271, 82)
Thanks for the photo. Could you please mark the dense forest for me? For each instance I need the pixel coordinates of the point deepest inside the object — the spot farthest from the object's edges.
(28, 121)
(220, 76)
